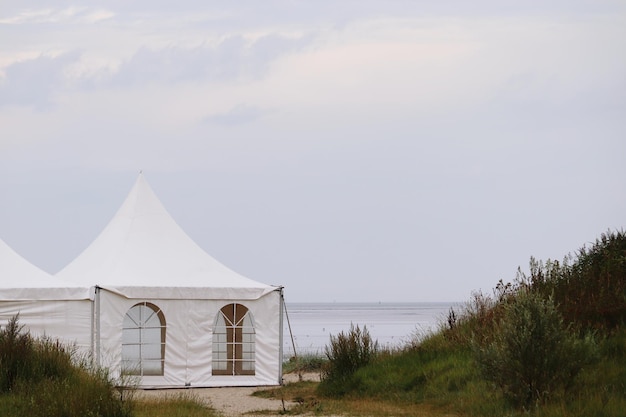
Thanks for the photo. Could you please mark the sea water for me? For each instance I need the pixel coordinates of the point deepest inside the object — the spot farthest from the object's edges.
(391, 324)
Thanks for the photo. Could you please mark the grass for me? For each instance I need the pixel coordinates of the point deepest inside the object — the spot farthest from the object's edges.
(440, 378)
(178, 406)
(307, 402)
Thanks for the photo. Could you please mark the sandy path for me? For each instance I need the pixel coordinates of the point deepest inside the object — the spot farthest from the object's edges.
(230, 401)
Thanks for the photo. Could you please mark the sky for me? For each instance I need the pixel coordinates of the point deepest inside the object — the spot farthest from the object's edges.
(352, 151)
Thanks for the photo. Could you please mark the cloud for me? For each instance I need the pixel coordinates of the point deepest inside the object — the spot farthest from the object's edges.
(233, 57)
(67, 15)
(238, 115)
(34, 82)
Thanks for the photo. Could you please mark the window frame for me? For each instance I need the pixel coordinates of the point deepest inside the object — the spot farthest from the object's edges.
(136, 328)
(234, 341)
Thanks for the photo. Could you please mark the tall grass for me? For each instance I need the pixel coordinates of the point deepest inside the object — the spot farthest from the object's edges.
(346, 353)
(44, 378)
(589, 287)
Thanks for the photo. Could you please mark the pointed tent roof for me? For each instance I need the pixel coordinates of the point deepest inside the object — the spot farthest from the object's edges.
(143, 253)
(21, 280)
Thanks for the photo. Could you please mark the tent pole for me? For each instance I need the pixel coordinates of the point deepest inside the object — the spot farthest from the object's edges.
(97, 318)
(280, 337)
(92, 347)
(293, 343)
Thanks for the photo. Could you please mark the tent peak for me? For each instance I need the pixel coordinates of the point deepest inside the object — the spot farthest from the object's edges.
(144, 247)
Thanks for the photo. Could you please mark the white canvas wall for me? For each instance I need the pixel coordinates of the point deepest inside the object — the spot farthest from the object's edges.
(46, 305)
(189, 332)
(67, 320)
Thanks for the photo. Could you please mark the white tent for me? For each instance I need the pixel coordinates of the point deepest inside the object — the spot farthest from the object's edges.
(167, 313)
(46, 305)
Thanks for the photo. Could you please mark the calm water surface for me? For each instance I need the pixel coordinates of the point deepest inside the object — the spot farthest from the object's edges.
(392, 324)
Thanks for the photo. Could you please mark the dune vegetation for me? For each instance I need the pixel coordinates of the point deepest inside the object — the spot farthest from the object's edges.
(550, 343)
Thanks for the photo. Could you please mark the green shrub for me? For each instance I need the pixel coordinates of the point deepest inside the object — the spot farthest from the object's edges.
(532, 354)
(346, 353)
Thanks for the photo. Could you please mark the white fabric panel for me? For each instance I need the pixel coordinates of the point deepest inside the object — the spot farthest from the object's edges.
(108, 329)
(188, 340)
(21, 280)
(46, 305)
(267, 321)
(198, 322)
(68, 321)
(60, 292)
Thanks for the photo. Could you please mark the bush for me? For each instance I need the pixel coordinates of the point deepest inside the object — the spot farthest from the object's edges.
(346, 353)
(532, 354)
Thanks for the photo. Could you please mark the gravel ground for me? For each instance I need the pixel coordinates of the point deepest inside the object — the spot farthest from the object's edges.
(231, 401)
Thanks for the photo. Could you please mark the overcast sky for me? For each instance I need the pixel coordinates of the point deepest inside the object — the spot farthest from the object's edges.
(358, 150)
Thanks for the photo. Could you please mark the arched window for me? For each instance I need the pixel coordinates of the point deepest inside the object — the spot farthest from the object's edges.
(233, 341)
(143, 340)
